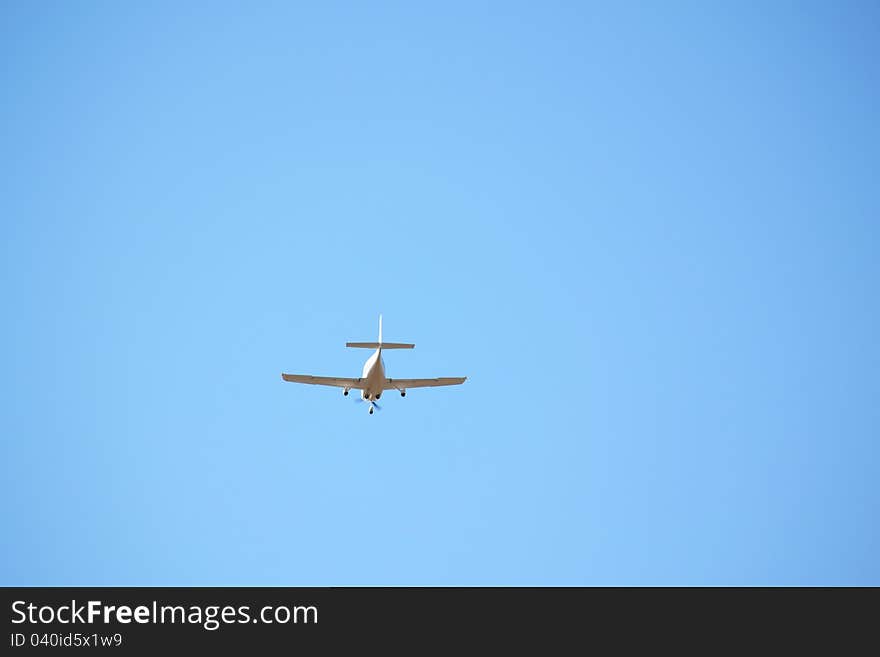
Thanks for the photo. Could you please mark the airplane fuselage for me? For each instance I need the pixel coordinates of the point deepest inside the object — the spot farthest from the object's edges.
(374, 376)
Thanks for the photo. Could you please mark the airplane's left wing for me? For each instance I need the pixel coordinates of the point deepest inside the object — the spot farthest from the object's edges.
(404, 384)
(335, 381)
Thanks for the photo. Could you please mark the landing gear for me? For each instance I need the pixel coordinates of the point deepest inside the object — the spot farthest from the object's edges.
(345, 392)
(403, 393)
(371, 409)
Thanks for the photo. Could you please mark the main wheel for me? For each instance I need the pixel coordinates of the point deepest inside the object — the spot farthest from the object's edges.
(403, 393)
(345, 393)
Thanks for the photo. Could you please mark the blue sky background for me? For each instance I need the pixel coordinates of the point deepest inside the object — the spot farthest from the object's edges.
(646, 232)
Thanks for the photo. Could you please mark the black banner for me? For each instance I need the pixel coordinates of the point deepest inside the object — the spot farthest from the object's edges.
(154, 619)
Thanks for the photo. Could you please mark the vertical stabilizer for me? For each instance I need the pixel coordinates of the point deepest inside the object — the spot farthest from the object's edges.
(380, 344)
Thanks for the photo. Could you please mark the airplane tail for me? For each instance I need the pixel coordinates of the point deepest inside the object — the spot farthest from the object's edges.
(380, 344)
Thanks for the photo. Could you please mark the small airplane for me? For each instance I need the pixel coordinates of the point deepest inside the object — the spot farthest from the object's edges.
(373, 382)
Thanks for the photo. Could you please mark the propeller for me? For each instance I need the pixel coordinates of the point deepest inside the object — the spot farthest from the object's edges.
(359, 400)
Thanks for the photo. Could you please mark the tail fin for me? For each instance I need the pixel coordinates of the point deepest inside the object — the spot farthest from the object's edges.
(380, 344)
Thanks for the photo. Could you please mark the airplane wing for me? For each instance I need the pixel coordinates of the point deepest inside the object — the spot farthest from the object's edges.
(405, 384)
(335, 381)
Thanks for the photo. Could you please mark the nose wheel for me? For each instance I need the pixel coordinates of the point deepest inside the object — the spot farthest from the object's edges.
(371, 409)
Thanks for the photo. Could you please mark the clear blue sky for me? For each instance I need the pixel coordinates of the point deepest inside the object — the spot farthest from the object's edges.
(647, 234)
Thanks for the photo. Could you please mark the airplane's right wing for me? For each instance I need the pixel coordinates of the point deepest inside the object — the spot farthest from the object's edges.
(335, 381)
(404, 384)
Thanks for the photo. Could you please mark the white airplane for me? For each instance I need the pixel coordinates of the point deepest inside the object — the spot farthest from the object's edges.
(373, 382)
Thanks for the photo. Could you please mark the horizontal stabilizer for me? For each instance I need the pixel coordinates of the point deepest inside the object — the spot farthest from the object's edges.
(376, 345)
